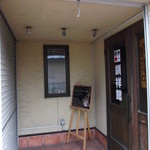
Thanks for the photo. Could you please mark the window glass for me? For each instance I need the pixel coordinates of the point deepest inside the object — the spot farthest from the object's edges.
(142, 75)
(56, 62)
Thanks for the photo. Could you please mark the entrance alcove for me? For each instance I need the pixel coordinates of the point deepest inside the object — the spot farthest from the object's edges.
(39, 117)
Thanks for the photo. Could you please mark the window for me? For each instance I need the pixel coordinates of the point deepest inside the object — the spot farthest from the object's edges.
(56, 70)
(142, 74)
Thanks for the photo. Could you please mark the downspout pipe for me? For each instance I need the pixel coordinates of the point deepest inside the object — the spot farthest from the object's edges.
(93, 79)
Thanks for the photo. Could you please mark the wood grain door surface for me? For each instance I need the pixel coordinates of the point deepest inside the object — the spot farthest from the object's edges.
(126, 89)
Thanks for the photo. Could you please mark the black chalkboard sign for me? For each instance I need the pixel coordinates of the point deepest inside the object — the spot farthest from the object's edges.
(82, 97)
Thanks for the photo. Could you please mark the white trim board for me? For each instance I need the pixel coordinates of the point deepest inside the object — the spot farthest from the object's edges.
(111, 2)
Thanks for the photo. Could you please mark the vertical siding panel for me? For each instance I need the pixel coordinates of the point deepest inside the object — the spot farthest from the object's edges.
(8, 88)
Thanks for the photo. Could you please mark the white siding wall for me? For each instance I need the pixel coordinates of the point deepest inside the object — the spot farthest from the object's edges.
(8, 88)
(100, 86)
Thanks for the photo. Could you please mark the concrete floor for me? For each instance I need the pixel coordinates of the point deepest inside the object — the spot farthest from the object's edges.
(93, 145)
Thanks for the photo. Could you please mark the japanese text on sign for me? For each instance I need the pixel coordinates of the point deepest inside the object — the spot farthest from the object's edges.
(118, 79)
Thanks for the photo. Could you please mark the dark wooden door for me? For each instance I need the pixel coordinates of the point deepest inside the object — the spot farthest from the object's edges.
(126, 89)
(118, 91)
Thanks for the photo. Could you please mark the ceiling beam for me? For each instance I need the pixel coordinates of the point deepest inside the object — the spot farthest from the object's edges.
(111, 2)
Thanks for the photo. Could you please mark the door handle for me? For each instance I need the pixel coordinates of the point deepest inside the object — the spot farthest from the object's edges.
(128, 108)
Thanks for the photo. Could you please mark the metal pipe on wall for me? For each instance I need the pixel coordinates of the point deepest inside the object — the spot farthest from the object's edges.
(120, 27)
(93, 78)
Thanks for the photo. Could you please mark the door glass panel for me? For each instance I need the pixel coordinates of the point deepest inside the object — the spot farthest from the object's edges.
(142, 75)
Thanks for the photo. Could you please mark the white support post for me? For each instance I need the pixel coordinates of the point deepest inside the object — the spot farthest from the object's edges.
(1, 147)
(147, 48)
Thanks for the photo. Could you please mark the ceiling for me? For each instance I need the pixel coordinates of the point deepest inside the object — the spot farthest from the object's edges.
(47, 17)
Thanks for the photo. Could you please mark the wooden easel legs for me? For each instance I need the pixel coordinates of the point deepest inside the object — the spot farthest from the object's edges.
(86, 123)
(89, 131)
(70, 125)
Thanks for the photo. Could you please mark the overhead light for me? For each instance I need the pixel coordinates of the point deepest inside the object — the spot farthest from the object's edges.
(28, 30)
(63, 31)
(94, 32)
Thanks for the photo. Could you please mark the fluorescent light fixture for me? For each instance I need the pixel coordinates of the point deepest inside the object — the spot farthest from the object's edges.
(55, 56)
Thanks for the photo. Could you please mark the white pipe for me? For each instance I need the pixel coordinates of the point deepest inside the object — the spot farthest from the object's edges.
(121, 26)
(111, 2)
(34, 128)
(147, 51)
(78, 6)
(93, 79)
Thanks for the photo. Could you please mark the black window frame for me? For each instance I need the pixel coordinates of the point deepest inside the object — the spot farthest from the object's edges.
(45, 53)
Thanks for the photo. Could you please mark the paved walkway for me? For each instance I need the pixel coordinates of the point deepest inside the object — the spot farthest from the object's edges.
(93, 145)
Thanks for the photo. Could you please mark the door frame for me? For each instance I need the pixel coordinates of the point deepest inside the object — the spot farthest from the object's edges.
(147, 47)
(134, 31)
(131, 50)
